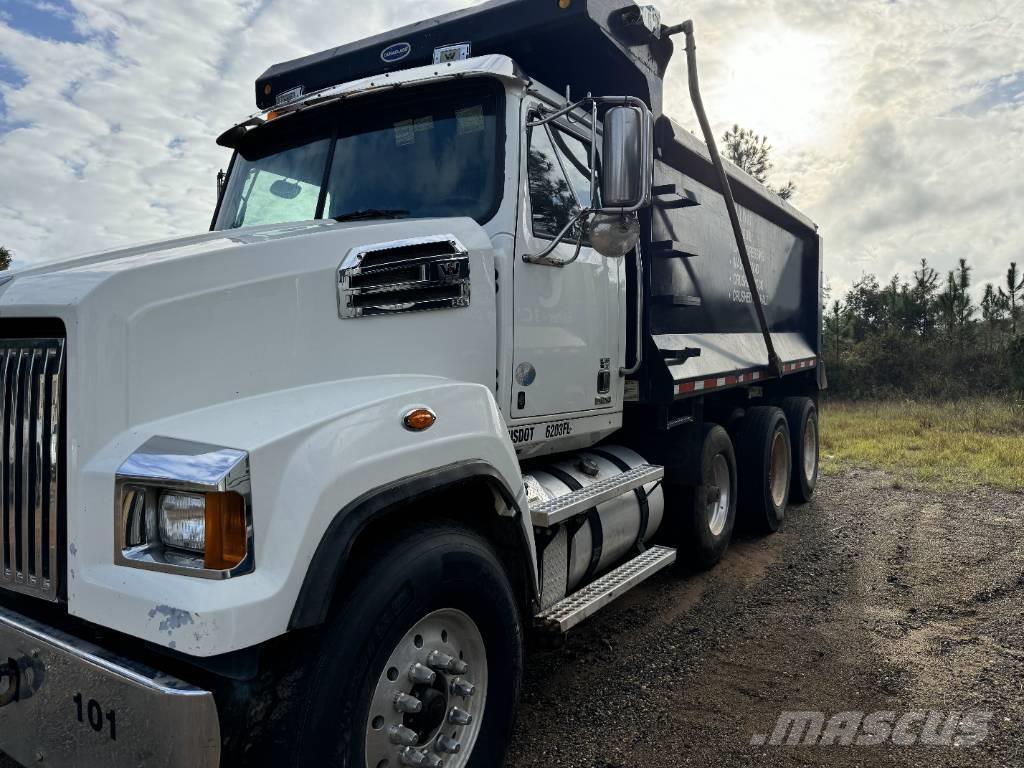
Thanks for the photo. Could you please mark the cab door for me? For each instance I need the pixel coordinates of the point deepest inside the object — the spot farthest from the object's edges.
(568, 330)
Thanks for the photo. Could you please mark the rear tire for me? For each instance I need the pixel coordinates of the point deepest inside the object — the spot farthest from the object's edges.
(706, 523)
(764, 459)
(437, 587)
(802, 416)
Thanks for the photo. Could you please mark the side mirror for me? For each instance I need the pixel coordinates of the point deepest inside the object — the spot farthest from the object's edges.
(626, 177)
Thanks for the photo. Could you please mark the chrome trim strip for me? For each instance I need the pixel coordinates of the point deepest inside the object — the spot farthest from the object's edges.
(167, 463)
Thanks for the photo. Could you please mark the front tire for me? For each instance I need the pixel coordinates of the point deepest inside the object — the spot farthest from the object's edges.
(431, 627)
(764, 459)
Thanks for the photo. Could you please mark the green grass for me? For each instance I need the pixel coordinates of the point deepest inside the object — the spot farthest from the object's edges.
(966, 443)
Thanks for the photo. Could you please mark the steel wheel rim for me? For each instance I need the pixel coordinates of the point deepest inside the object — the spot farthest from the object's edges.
(810, 448)
(778, 474)
(718, 510)
(444, 634)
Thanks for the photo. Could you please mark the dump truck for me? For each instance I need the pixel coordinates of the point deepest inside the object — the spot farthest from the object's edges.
(478, 341)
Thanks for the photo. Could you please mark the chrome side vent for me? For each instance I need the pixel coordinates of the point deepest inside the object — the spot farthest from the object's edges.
(404, 276)
(30, 416)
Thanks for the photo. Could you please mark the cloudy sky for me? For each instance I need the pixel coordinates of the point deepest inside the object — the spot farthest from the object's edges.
(901, 122)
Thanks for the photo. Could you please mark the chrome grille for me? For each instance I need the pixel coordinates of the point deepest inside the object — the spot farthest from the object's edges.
(30, 413)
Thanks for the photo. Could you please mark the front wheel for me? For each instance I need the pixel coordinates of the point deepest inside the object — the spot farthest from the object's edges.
(422, 664)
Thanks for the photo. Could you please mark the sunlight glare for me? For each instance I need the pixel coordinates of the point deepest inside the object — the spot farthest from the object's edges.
(780, 84)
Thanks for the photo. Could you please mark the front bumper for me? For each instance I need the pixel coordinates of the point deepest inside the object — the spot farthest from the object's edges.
(65, 702)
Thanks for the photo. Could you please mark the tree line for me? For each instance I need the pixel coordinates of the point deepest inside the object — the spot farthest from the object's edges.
(925, 336)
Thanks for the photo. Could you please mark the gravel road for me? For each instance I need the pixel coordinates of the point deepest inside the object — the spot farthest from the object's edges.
(875, 597)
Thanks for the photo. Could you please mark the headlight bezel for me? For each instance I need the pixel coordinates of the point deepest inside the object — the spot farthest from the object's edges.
(171, 465)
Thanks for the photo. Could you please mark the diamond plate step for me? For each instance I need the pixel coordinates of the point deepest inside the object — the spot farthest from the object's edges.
(561, 508)
(566, 614)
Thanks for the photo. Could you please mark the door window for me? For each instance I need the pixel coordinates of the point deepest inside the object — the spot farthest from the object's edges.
(558, 171)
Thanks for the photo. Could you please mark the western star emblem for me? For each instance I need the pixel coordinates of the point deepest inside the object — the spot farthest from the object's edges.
(449, 269)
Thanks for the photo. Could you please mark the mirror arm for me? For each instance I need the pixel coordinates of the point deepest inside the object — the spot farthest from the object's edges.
(593, 152)
(544, 257)
(639, 315)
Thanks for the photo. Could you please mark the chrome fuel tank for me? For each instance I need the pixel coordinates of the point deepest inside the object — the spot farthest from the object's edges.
(588, 545)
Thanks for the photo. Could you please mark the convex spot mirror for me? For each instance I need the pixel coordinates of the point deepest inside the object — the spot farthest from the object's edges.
(623, 177)
(613, 235)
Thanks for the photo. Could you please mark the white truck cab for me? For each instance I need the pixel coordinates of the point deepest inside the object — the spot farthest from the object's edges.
(460, 358)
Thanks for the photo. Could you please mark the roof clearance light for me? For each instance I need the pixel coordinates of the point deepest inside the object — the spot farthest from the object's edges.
(563, 4)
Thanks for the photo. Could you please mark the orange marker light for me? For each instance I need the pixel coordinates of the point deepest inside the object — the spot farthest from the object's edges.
(563, 4)
(226, 536)
(419, 419)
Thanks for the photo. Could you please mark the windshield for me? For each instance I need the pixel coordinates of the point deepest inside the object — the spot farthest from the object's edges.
(430, 151)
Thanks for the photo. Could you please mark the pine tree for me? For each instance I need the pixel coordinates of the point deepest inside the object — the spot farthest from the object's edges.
(6, 255)
(752, 153)
(992, 310)
(1014, 286)
(922, 294)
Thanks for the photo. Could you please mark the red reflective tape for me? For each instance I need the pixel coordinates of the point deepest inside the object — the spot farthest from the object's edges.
(710, 383)
(730, 380)
(686, 386)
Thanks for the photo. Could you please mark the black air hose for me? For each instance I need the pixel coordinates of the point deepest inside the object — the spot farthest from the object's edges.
(774, 364)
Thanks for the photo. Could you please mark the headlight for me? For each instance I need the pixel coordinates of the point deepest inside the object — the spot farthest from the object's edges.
(182, 518)
(186, 508)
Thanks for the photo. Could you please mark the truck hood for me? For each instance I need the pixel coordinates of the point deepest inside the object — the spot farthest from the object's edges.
(102, 264)
(168, 328)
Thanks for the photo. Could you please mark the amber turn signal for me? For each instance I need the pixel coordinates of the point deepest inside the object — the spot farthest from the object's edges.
(226, 534)
(419, 419)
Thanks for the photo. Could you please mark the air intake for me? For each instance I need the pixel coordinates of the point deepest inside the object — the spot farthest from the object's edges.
(405, 276)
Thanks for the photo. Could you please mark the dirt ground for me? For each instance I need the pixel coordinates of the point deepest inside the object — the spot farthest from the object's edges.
(874, 597)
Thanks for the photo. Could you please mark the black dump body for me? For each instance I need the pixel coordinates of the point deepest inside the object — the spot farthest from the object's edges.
(700, 329)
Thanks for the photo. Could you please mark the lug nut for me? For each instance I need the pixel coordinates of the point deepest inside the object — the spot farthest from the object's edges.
(445, 663)
(410, 756)
(447, 745)
(462, 688)
(458, 716)
(407, 704)
(399, 734)
(420, 675)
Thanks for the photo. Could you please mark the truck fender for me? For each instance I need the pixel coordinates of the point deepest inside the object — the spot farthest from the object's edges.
(335, 548)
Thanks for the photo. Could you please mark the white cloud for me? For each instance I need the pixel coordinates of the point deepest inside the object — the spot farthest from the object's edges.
(901, 123)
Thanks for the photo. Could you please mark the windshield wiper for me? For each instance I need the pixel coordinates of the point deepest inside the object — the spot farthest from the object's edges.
(372, 213)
